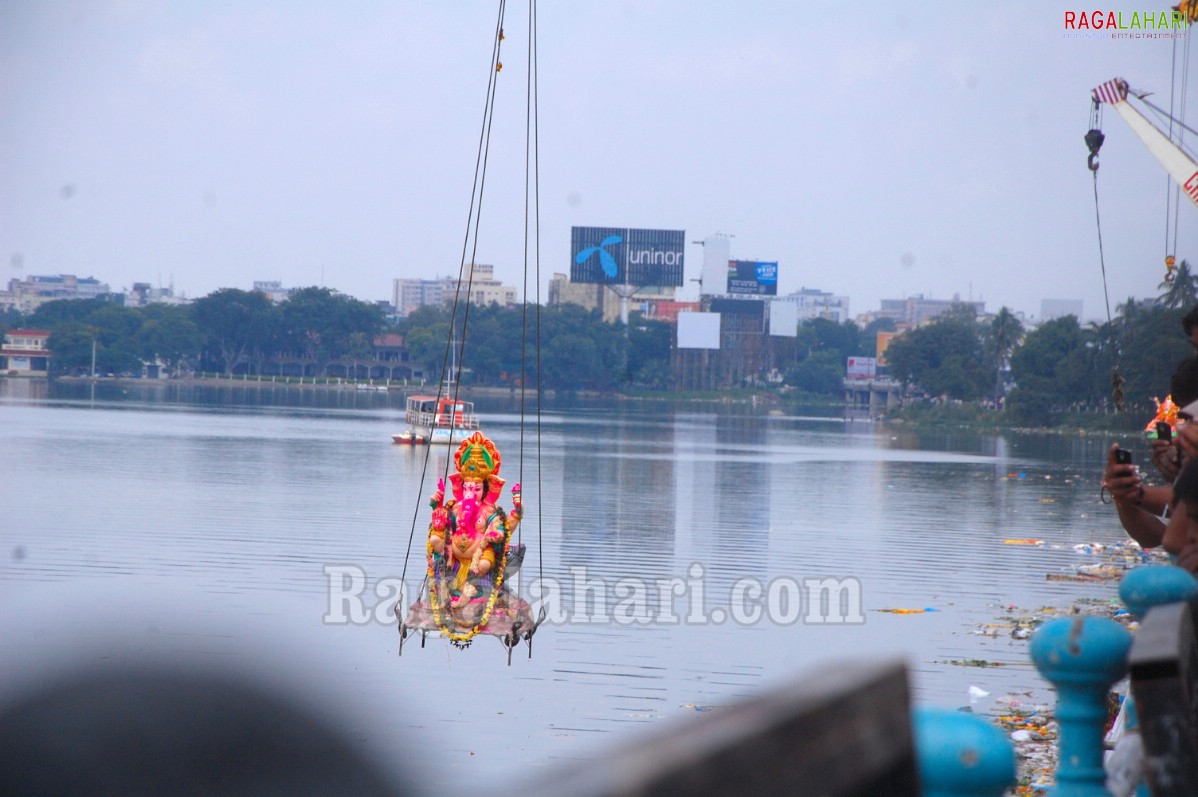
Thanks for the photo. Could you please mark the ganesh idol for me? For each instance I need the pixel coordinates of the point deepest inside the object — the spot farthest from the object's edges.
(469, 537)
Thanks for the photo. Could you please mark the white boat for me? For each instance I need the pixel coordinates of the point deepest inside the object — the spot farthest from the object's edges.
(437, 420)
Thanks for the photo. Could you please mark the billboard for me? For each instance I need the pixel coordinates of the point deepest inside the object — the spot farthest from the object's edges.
(884, 339)
(745, 307)
(698, 330)
(623, 256)
(755, 277)
(861, 368)
(784, 318)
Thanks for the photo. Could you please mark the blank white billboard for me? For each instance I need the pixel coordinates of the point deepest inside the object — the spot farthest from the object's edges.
(698, 330)
(784, 319)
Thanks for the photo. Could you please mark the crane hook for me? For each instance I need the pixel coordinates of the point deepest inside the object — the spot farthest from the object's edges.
(1094, 139)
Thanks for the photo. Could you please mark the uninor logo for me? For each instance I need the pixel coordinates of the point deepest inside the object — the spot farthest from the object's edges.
(605, 259)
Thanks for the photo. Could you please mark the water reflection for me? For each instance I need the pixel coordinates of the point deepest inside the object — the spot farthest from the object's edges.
(250, 492)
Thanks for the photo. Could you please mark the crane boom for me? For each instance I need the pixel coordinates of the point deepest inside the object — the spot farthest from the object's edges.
(1177, 163)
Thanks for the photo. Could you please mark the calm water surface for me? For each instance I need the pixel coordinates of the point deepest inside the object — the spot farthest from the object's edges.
(243, 496)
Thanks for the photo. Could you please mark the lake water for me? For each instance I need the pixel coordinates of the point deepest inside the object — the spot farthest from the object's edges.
(194, 513)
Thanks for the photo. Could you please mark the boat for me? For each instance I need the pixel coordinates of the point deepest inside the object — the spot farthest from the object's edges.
(439, 420)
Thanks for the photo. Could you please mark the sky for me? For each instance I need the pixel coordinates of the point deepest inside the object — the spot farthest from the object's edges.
(872, 150)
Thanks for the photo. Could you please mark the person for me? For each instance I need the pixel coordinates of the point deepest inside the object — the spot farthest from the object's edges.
(469, 535)
(1181, 534)
(1190, 325)
(1141, 506)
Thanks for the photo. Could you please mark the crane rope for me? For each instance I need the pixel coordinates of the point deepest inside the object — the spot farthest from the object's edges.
(451, 375)
(472, 222)
(1094, 139)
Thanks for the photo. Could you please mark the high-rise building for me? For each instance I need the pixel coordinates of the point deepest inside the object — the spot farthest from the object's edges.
(409, 294)
(1059, 308)
(27, 295)
(916, 310)
(813, 303)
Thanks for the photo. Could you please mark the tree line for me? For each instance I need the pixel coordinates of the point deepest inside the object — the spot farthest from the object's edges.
(236, 331)
(1036, 377)
(1061, 367)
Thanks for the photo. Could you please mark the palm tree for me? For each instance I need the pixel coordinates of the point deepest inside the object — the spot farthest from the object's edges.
(1005, 330)
(1182, 292)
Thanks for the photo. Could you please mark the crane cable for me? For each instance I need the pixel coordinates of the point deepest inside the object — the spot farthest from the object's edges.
(473, 216)
(532, 165)
(1094, 139)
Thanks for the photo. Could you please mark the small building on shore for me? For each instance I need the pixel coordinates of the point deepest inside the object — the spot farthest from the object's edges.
(25, 352)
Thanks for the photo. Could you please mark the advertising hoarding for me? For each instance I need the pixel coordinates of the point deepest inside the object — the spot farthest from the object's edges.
(754, 277)
(620, 255)
(784, 319)
(884, 339)
(698, 330)
(862, 368)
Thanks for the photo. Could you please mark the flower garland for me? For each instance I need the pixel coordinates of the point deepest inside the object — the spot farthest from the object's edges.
(463, 640)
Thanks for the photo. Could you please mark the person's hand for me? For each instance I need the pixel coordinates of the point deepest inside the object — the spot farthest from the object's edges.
(1187, 440)
(1167, 459)
(1122, 481)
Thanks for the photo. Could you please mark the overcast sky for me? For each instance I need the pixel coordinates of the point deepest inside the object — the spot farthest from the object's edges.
(873, 150)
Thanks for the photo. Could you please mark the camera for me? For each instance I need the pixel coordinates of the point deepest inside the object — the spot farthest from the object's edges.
(1122, 456)
(1164, 431)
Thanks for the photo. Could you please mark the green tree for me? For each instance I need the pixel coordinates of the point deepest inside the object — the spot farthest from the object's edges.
(230, 321)
(1182, 292)
(168, 334)
(944, 357)
(71, 342)
(649, 352)
(1052, 370)
(822, 372)
(1005, 333)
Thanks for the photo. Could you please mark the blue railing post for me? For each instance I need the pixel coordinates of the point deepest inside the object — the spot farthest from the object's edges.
(961, 755)
(1082, 657)
(1141, 589)
(1155, 585)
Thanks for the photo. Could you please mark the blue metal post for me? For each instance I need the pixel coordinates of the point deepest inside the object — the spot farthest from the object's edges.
(1141, 589)
(1082, 657)
(961, 755)
(1156, 585)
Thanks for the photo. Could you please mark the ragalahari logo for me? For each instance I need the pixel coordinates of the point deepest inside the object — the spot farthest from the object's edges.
(1119, 21)
(605, 259)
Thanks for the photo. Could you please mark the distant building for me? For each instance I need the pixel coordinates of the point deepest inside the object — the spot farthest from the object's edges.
(813, 303)
(1059, 308)
(410, 294)
(587, 295)
(916, 310)
(648, 300)
(25, 352)
(273, 290)
(142, 294)
(27, 295)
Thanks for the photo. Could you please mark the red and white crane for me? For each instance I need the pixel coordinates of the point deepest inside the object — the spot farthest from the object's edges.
(1181, 167)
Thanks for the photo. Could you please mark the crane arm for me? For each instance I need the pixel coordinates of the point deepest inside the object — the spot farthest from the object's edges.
(1181, 167)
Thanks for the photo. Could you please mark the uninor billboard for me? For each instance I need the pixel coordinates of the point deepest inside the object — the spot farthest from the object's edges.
(755, 277)
(620, 255)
